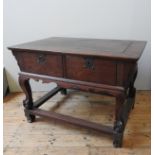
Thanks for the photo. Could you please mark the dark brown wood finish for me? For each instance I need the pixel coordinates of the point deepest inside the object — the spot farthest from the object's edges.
(91, 69)
(78, 85)
(43, 99)
(28, 102)
(73, 120)
(120, 49)
(40, 63)
(94, 65)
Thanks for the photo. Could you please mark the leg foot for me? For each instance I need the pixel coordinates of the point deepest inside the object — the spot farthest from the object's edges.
(30, 118)
(64, 91)
(118, 134)
(118, 139)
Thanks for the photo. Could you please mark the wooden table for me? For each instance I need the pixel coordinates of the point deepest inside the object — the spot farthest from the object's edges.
(102, 66)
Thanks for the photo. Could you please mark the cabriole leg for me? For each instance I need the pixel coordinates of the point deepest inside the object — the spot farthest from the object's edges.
(28, 102)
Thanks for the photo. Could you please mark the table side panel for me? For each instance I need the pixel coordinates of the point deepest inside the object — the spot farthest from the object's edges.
(125, 71)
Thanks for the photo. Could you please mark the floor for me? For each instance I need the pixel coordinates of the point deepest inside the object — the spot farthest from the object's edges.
(47, 137)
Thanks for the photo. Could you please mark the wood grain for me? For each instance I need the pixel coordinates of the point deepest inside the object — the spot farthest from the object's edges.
(102, 71)
(45, 138)
(119, 49)
(40, 63)
(81, 63)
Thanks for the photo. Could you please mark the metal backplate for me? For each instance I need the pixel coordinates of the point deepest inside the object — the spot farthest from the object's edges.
(89, 63)
(41, 59)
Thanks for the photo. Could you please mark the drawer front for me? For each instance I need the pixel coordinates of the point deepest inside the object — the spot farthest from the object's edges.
(40, 63)
(91, 69)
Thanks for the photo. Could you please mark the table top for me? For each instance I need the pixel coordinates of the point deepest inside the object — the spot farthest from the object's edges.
(124, 49)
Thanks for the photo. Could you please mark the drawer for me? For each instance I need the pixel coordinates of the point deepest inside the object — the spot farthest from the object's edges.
(91, 69)
(40, 63)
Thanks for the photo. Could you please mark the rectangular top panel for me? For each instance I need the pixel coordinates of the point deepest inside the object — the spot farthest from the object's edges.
(123, 49)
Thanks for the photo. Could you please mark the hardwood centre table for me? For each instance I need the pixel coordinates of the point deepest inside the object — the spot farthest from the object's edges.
(102, 66)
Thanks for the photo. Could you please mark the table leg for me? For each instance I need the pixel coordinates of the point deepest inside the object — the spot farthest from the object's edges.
(124, 103)
(119, 122)
(28, 102)
(132, 89)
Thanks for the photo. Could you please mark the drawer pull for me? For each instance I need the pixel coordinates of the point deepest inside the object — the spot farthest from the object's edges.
(41, 59)
(89, 63)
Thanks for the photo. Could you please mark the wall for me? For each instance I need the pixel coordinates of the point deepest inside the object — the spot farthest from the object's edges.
(29, 20)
